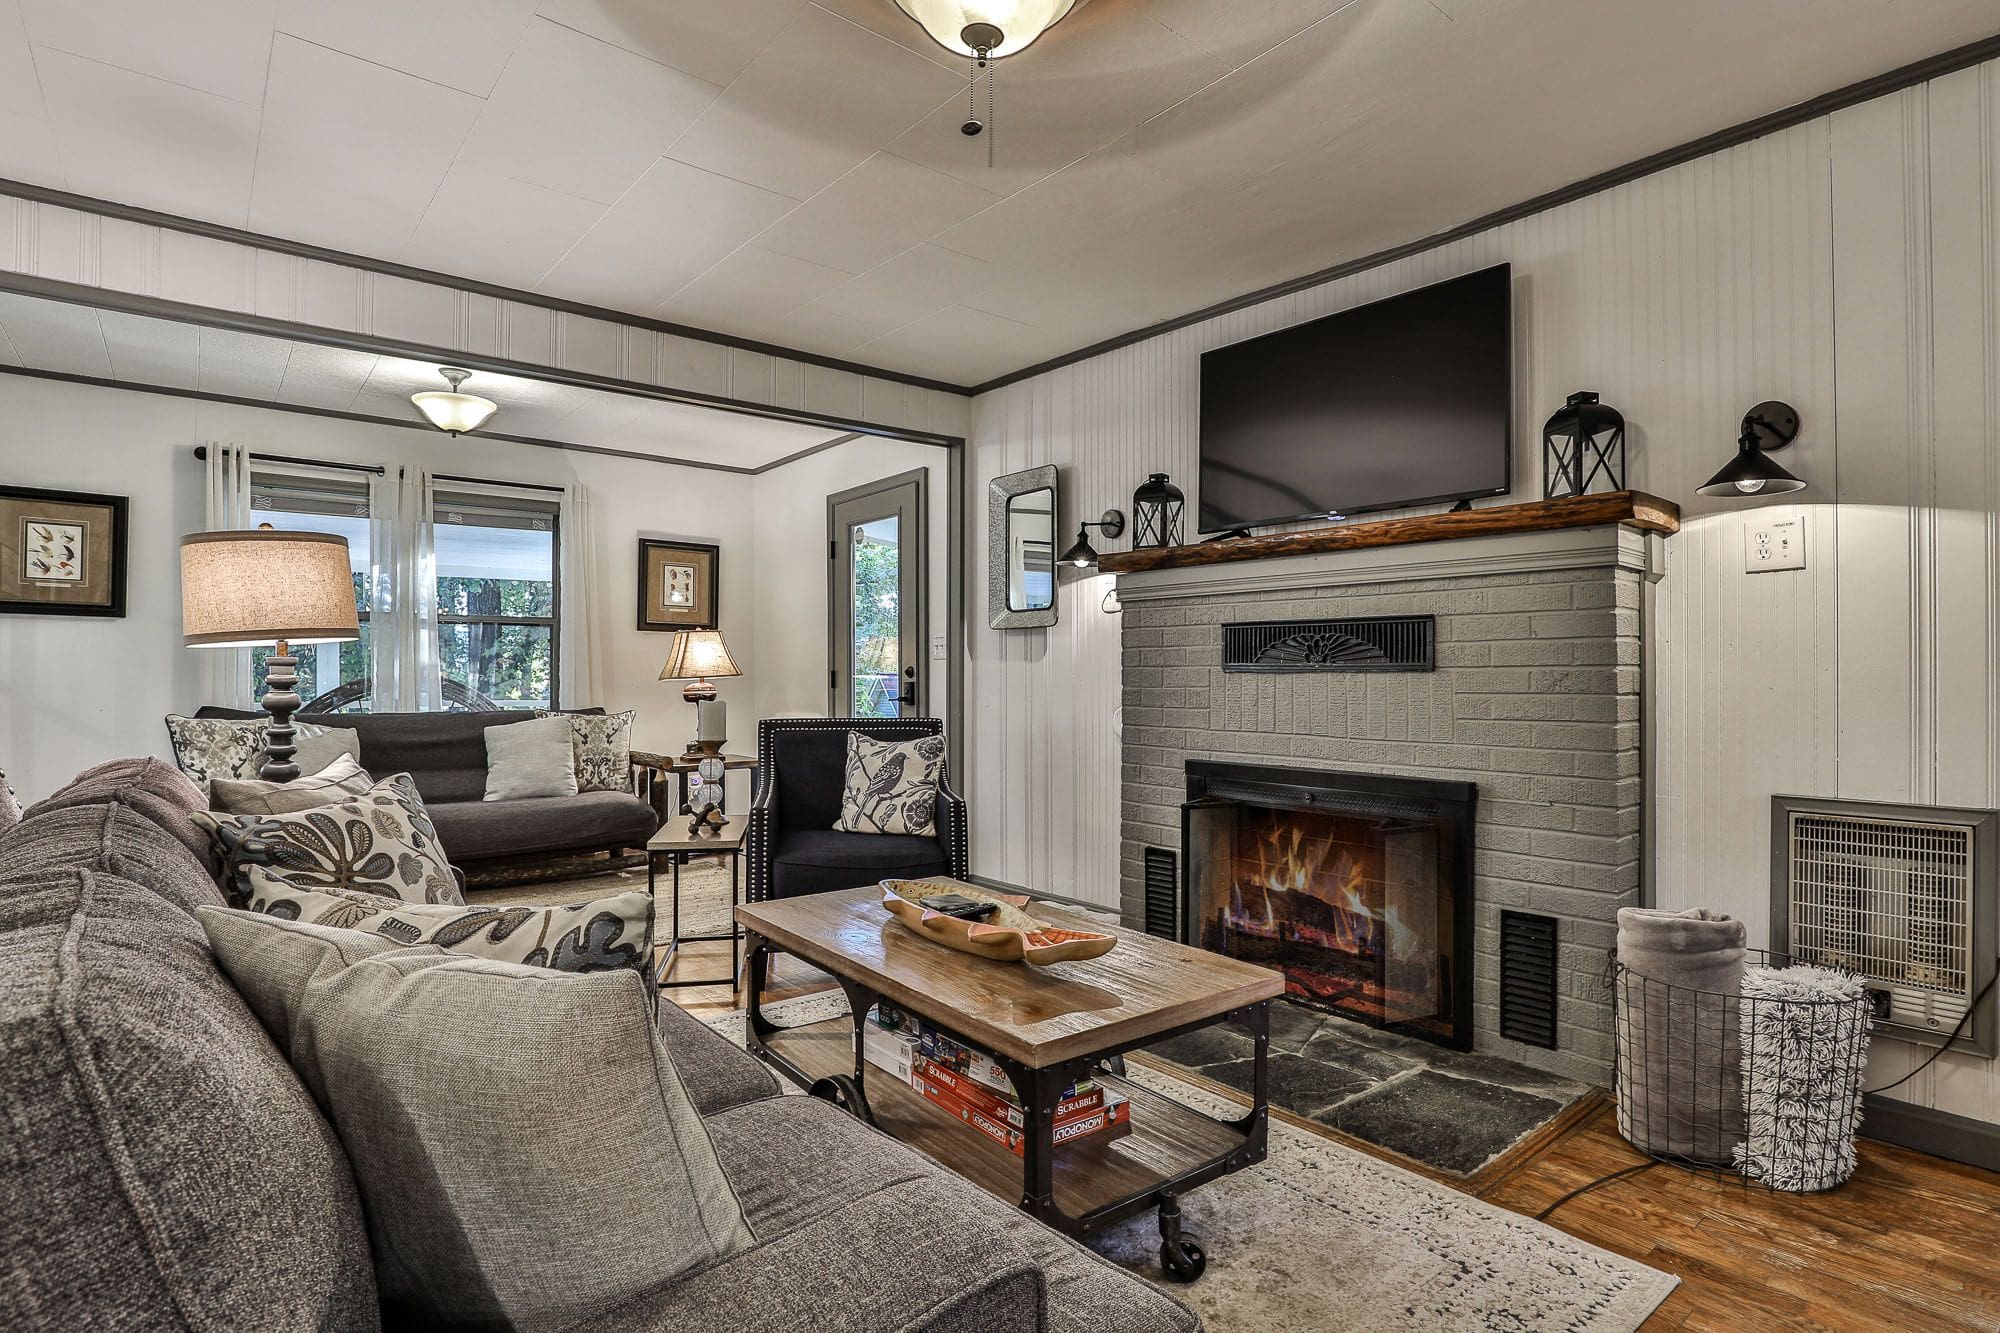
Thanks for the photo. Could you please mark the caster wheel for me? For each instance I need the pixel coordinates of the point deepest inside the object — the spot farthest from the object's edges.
(844, 1092)
(1185, 1261)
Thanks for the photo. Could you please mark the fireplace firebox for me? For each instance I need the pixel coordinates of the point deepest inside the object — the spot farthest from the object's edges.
(1356, 886)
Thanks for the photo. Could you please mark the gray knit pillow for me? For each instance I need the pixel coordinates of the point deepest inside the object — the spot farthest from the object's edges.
(525, 1151)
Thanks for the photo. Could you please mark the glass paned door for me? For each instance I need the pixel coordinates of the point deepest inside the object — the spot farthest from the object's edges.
(876, 542)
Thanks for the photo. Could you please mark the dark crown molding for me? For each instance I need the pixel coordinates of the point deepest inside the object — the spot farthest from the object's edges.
(1922, 71)
(84, 203)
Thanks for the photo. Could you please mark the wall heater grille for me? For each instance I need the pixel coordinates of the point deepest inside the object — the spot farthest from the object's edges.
(1365, 643)
(1902, 896)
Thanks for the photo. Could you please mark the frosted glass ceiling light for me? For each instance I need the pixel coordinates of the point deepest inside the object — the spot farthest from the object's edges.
(454, 411)
(987, 29)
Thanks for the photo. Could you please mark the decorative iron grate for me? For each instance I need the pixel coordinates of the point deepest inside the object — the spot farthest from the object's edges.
(1528, 978)
(1370, 643)
(1163, 893)
(1893, 895)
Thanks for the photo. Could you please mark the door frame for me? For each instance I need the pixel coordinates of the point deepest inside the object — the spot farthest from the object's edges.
(921, 477)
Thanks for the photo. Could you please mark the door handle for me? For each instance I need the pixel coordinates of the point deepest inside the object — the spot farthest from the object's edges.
(909, 694)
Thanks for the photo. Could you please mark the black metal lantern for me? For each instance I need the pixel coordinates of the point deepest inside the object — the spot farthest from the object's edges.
(1156, 513)
(1582, 446)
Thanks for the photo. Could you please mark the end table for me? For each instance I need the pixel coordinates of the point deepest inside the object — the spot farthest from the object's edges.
(674, 842)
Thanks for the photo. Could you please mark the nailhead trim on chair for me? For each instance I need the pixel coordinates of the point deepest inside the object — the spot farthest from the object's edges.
(757, 843)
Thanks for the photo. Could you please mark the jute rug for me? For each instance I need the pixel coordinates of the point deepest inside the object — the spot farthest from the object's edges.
(1320, 1237)
(705, 908)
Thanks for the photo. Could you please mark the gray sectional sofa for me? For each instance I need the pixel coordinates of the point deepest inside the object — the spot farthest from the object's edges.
(162, 1167)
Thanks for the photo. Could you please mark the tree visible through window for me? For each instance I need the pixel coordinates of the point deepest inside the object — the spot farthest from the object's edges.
(878, 622)
(298, 503)
(497, 597)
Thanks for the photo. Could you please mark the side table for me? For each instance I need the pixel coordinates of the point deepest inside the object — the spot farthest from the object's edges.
(675, 843)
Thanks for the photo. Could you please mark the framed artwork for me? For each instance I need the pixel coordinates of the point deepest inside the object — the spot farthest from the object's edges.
(679, 587)
(62, 553)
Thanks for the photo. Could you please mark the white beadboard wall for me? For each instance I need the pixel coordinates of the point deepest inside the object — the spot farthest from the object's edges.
(1846, 265)
(67, 245)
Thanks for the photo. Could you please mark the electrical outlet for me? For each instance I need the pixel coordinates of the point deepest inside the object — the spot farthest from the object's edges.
(1774, 539)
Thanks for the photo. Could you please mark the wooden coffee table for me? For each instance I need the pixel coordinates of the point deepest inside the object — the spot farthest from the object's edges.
(1048, 1028)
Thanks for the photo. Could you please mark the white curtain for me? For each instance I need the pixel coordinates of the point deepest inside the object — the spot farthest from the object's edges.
(582, 683)
(403, 633)
(225, 672)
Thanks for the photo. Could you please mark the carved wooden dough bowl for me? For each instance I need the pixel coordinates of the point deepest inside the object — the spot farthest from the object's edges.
(1010, 935)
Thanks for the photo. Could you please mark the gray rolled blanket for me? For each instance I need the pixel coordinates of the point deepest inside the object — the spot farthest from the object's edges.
(1680, 1088)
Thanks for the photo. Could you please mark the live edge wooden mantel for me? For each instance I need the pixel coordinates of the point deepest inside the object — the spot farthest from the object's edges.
(1634, 509)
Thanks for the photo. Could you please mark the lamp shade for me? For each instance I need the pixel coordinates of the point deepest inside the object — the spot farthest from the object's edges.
(1019, 22)
(696, 654)
(244, 588)
(1081, 553)
(1751, 472)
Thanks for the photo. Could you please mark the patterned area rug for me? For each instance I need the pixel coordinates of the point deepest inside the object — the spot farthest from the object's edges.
(1321, 1238)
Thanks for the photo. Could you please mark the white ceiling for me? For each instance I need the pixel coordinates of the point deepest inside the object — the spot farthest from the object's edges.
(792, 171)
(40, 334)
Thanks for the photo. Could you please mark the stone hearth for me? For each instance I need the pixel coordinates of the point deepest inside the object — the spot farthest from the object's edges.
(1535, 699)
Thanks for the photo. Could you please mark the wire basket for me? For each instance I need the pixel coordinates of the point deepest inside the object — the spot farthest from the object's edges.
(1756, 1084)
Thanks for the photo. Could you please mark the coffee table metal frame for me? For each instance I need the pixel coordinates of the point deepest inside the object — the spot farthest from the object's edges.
(1039, 1089)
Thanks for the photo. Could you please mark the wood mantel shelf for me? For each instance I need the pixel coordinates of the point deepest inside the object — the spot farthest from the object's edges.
(1634, 509)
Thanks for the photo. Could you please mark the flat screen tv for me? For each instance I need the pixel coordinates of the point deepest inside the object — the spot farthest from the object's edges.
(1400, 402)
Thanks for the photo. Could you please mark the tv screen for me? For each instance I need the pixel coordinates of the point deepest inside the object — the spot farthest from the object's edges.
(1401, 402)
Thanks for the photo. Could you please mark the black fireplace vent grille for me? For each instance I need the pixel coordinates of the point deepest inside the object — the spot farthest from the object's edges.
(1363, 643)
(1163, 893)
(1528, 978)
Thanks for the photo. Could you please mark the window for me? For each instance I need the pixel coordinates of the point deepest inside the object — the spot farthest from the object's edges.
(498, 597)
(292, 502)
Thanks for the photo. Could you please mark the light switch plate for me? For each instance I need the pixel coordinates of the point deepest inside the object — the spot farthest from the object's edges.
(939, 650)
(1774, 539)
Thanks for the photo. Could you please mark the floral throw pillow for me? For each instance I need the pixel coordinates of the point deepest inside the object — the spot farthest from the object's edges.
(891, 786)
(207, 748)
(603, 748)
(380, 842)
(603, 935)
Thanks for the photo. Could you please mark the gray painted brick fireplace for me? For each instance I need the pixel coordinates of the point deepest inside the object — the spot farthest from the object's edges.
(1535, 699)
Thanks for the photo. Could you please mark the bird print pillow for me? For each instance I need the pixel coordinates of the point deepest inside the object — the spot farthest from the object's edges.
(891, 786)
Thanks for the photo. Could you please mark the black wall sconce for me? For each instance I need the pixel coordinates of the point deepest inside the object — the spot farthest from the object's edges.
(1083, 555)
(1767, 427)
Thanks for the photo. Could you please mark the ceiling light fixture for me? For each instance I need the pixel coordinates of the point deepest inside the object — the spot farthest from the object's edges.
(985, 31)
(454, 411)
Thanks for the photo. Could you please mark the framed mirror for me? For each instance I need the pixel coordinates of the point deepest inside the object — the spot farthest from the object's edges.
(1021, 549)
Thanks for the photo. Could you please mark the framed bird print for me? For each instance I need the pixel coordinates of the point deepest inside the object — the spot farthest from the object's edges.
(62, 553)
(678, 584)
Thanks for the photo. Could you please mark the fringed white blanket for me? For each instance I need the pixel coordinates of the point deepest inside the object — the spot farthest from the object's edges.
(1805, 1045)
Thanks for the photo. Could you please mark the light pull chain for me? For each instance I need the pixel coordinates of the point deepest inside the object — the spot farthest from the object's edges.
(973, 125)
(990, 131)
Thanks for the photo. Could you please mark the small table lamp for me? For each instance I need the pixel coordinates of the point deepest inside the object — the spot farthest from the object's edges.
(243, 589)
(694, 656)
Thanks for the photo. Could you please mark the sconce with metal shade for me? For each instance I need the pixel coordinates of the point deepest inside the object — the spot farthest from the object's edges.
(246, 589)
(1081, 553)
(1767, 427)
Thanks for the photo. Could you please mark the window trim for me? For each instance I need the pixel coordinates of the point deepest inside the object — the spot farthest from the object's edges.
(553, 621)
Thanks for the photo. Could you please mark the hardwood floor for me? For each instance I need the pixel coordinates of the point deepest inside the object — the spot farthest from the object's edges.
(1909, 1244)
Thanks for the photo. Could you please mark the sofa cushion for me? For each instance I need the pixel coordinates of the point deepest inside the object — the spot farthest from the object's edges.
(891, 786)
(381, 841)
(600, 935)
(717, 1072)
(593, 820)
(342, 778)
(791, 1158)
(151, 788)
(113, 837)
(602, 753)
(821, 860)
(525, 1147)
(163, 1166)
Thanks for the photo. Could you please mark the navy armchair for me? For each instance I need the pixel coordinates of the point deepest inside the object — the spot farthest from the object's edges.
(792, 846)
